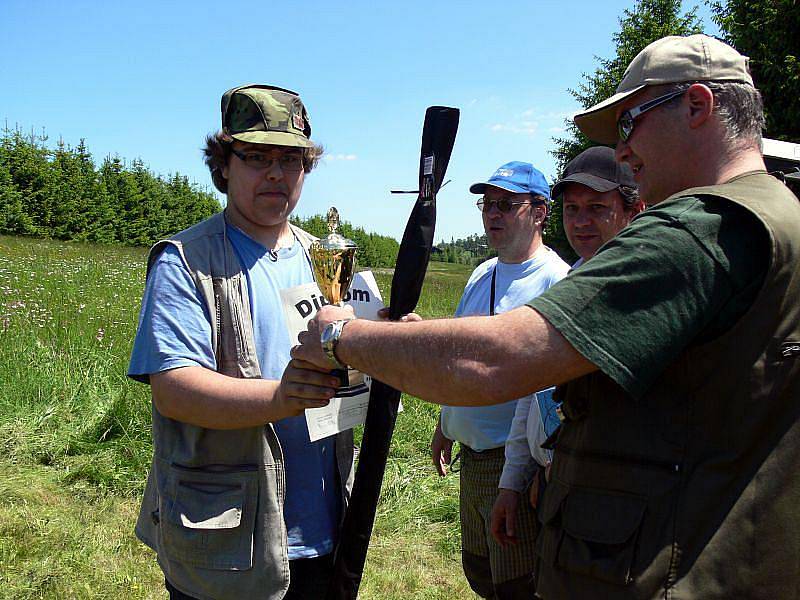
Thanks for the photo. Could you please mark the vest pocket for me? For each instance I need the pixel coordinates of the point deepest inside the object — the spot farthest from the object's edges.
(592, 532)
(210, 518)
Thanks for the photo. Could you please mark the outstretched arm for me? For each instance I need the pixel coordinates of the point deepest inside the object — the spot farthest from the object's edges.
(205, 398)
(465, 361)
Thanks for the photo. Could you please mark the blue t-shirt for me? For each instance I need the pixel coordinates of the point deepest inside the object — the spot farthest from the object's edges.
(175, 331)
(487, 427)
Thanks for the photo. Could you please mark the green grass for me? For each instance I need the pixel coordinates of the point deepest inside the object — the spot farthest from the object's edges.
(73, 541)
(441, 291)
(75, 438)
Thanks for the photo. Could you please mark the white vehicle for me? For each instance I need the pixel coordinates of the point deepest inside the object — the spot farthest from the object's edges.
(783, 161)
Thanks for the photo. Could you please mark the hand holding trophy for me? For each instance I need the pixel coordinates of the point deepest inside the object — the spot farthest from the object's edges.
(333, 259)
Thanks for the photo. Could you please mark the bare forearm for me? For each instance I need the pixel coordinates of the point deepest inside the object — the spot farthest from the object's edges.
(209, 399)
(467, 361)
(202, 397)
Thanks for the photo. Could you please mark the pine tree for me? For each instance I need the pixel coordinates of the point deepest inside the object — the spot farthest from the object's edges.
(646, 22)
(152, 211)
(13, 219)
(125, 200)
(26, 158)
(187, 204)
(70, 195)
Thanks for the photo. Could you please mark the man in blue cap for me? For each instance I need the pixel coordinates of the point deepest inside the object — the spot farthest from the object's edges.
(514, 205)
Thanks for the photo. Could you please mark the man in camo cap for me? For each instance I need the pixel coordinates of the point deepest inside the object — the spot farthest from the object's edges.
(229, 436)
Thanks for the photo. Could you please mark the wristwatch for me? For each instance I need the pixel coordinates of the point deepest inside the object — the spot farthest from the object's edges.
(329, 338)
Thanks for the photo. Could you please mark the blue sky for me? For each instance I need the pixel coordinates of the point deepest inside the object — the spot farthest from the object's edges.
(143, 80)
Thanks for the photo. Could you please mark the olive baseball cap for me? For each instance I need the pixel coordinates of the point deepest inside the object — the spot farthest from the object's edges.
(672, 59)
(265, 114)
(597, 169)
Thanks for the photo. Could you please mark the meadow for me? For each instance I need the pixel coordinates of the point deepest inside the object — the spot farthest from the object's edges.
(75, 438)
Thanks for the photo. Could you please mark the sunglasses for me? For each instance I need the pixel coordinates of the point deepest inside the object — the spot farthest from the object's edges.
(503, 204)
(626, 120)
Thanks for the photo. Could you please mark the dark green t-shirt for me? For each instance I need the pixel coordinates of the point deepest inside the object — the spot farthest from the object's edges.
(682, 273)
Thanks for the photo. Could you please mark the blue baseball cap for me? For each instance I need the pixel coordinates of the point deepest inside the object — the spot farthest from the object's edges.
(517, 177)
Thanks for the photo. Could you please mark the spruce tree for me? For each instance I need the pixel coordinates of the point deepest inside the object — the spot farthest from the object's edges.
(70, 195)
(125, 199)
(151, 214)
(26, 158)
(13, 219)
(98, 222)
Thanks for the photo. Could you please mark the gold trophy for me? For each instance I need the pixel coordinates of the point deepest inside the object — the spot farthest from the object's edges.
(333, 259)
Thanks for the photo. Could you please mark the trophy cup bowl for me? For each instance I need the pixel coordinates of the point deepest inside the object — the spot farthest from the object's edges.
(333, 259)
(334, 267)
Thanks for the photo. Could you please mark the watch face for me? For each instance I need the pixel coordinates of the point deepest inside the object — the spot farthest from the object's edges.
(327, 333)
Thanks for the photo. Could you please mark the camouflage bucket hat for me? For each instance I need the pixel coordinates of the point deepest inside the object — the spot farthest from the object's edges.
(264, 114)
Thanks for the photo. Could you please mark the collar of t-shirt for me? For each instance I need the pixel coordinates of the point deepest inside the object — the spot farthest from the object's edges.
(251, 250)
(506, 271)
(504, 276)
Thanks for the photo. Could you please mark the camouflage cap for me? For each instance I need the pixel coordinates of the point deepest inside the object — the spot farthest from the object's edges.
(265, 114)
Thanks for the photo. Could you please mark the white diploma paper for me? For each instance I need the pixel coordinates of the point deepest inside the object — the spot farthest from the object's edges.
(300, 304)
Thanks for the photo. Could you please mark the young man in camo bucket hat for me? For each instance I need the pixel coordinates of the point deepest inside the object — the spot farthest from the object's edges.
(239, 503)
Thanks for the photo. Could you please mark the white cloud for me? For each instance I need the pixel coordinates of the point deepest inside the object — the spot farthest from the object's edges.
(550, 115)
(340, 157)
(561, 114)
(531, 120)
(522, 127)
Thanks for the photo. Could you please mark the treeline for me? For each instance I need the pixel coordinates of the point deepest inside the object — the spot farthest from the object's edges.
(373, 250)
(60, 193)
(475, 248)
(470, 251)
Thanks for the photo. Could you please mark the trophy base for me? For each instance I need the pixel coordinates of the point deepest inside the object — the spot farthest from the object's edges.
(351, 382)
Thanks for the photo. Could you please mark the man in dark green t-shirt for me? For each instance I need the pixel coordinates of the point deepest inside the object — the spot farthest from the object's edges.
(674, 473)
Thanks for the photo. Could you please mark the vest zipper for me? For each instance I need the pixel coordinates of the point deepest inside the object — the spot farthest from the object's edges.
(233, 307)
(218, 349)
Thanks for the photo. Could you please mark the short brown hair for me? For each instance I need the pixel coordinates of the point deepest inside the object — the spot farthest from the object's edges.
(539, 200)
(217, 153)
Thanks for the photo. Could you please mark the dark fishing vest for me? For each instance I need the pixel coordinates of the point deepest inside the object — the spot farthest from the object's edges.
(213, 503)
(692, 491)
